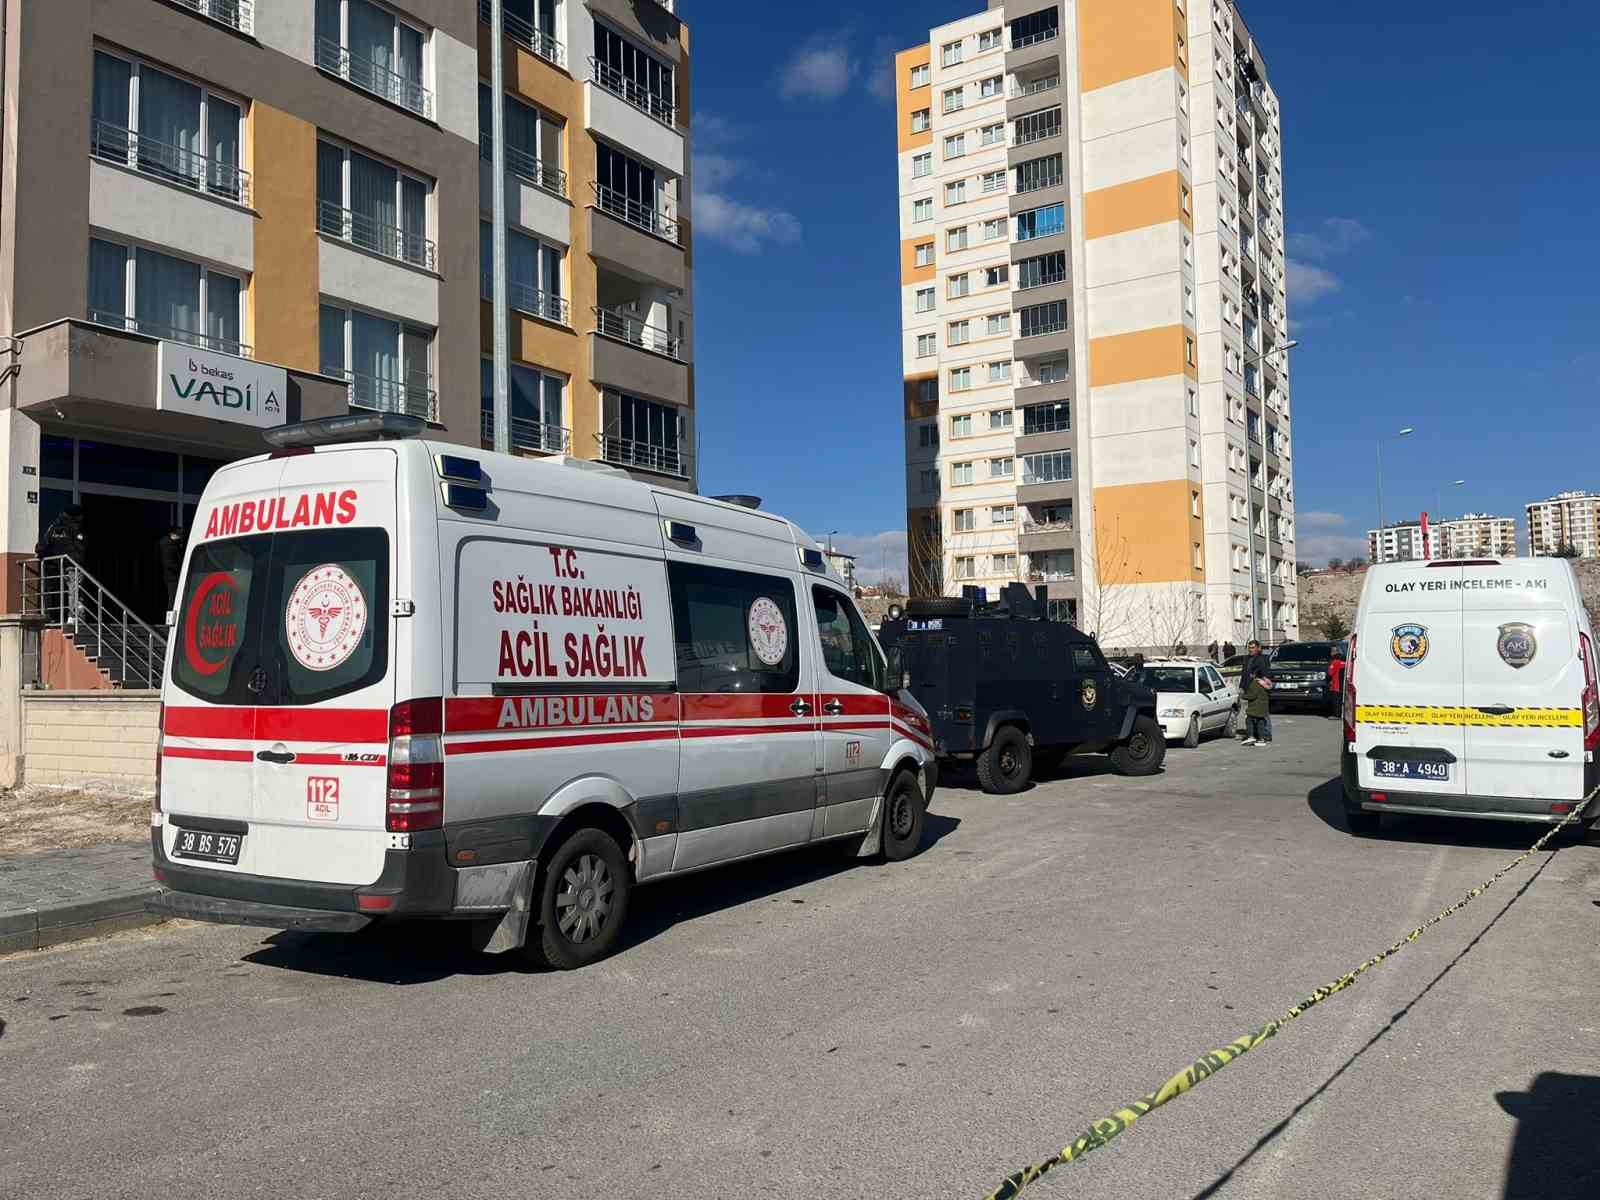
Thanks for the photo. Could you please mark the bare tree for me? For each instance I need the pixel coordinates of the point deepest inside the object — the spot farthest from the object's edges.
(891, 586)
(1106, 609)
(1173, 617)
(925, 556)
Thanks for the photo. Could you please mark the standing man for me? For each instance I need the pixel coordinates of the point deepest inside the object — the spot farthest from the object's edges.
(63, 539)
(1336, 670)
(169, 553)
(1255, 664)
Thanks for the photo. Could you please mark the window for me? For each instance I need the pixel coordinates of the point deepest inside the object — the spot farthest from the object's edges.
(371, 48)
(1052, 371)
(1041, 222)
(1036, 126)
(373, 205)
(961, 473)
(1039, 173)
(167, 127)
(1183, 148)
(927, 390)
(1053, 467)
(533, 273)
(993, 135)
(994, 181)
(538, 407)
(1194, 453)
(1045, 269)
(930, 480)
(388, 363)
(161, 296)
(1003, 514)
(994, 228)
(989, 39)
(955, 192)
(1188, 350)
(955, 239)
(965, 568)
(1055, 516)
(1046, 418)
(925, 300)
(997, 323)
(920, 75)
(924, 254)
(989, 87)
(1039, 319)
(922, 210)
(928, 435)
(955, 145)
(1036, 27)
(710, 617)
(1183, 198)
(533, 141)
(1003, 564)
(950, 55)
(1002, 468)
(627, 71)
(1000, 372)
(957, 286)
(999, 419)
(955, 99)
(961, 426)
(1194, 504)
(1194, 403)
(960, 335)
(927, 345)
(642, 433)
(961, 379)
(921, 120)
(1188, 301)
(964, 520)
(922, 165)
(995, 276)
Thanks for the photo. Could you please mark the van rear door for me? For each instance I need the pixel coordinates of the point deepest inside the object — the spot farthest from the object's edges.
(283, 672)
(1409, 684)
(1524, 683)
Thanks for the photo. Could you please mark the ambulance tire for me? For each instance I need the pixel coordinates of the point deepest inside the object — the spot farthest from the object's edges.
(904, 808)
(1007, 765)
(585, 882)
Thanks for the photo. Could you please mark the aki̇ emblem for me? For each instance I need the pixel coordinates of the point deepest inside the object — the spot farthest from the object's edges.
(1409, 644)
(1517, 645)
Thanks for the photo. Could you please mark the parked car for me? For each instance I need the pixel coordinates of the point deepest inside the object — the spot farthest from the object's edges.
(1300, 675)
(1192, 699)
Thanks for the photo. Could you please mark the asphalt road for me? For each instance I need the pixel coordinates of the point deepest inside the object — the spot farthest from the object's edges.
(805, 1027)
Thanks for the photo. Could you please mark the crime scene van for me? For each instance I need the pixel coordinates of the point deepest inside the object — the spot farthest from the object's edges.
(409, 679)
(1471, 692)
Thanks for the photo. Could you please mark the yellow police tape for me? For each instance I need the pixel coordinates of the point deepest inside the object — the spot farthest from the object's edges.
(1208, 1065)
(1454, 714)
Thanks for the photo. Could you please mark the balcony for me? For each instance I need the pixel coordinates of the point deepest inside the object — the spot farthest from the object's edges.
(370, 77)
(635, 241)
(1021, 89)
(524, 297)
(629, 92)
(1029, 49)
(625, 327)
(643, 456)
(171, 333)
(530, 435)
(525, 166)
(235, 14)
(1051, 576)
(1036, 132)
(1043, 537)
(631, 212)
(412, 396)
(364, 233)
(174, 164)
(524, 34)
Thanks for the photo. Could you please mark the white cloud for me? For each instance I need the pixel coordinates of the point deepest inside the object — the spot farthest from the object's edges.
(1320, 536)
(712, 170)
(877, 554)
(1309, 283)
(821, 69)
(744, 227)
(1336, 235)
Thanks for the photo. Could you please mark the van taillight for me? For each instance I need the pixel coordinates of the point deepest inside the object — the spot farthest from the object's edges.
(1350, 694)
(416, 766)
(1591, 694)
(161, 746)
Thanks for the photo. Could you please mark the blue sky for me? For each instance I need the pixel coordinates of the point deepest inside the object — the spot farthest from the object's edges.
(1441, 175)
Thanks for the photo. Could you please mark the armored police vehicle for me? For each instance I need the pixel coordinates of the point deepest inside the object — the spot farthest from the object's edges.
(1014, 693)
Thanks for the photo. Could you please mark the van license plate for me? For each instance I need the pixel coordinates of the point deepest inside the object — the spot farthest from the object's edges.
(1436, 772)
(212, 847)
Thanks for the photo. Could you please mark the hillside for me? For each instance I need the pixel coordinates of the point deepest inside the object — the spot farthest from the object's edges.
(1333, 594)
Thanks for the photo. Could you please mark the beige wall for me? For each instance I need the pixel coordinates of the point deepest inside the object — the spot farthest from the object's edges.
(84, 739)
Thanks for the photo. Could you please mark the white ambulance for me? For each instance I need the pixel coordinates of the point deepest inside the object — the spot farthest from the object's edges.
(412, 679)
(1471, 692)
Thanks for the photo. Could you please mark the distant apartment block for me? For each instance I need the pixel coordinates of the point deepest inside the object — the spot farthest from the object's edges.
(1568, 519)
(1472, 535)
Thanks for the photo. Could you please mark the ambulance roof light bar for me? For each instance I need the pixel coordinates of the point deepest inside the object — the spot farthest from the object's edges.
(354, 427)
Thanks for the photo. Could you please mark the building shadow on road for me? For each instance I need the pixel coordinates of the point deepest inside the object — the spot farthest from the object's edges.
(413, 952)
(1553, 1156)
(1326, 800)
(1277, 1130)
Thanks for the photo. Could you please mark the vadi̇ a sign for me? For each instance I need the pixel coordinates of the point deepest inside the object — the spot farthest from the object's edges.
(220, 386)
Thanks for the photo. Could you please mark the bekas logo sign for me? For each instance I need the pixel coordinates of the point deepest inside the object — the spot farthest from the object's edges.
(220, 386)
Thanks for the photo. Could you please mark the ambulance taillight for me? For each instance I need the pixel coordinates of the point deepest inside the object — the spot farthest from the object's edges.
(415, 797)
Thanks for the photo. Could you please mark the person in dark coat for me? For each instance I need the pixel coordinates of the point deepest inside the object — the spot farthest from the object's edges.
(63, 539)
(1255, 664)
(169, 553)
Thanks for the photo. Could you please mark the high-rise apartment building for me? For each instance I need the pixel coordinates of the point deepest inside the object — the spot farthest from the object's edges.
(1096, 385)
(1567, 520)
(1472, 535)
(220, 215)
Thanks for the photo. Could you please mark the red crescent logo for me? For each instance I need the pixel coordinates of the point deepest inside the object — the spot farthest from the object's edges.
(191, 625)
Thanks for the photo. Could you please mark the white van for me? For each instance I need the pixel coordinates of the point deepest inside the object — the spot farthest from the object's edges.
(1471, 692)
(412, 679)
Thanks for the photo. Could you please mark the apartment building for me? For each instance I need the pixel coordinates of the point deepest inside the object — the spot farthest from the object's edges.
(1472, 535)
(1096, 389)
(1565, 520)
(222, 215)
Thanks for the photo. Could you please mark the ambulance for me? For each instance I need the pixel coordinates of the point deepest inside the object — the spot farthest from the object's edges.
(1472, 692)
(408, 679)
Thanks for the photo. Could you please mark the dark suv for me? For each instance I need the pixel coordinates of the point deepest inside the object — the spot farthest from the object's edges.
(1299, 674)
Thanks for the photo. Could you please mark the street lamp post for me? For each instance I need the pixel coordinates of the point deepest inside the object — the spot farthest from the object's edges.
(1405, 431)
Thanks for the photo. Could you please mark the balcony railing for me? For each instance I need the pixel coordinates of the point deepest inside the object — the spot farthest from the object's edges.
(1042, 279)
(213, 176)
(630, 92)
(525, 166)
(171, 333)
(235, 14)
(361, 230)
(1051, 576)
(1020, 90)
(530, 435)
(643, 456)
(1040, 328)
(1037, 134)
(524, 297)
(1038, 182)
(1046, 527)
(411, 395)
(1059, 425)
(611, 201)
(1034, 39)
(519, 31)
(624, 327)
(370, 77)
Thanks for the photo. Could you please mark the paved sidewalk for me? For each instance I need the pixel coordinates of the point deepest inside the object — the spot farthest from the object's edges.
(62, 895)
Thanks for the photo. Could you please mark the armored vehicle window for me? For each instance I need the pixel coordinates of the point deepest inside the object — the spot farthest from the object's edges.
(1084, 659)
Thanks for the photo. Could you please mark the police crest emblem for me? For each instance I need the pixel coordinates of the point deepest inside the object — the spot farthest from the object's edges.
(1517, 644)
(1409, 644)
(1089, 693)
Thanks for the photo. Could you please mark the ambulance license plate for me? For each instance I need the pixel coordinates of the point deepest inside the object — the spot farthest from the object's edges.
(1434, 772)
(211, 847)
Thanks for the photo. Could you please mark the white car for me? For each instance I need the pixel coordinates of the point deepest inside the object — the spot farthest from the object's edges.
(1192, 699)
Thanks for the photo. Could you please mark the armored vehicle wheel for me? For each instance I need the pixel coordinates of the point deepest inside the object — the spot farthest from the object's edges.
(1005, 767)
(1144, 751)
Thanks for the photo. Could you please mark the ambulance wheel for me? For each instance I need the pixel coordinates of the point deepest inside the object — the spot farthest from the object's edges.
(1006, 766)
(1191, 738)
(583, 902)
(1144, 751)
(903, 812)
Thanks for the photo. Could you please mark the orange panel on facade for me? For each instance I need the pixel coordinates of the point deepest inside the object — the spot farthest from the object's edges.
(1123, 39)
(1144, 533)
(1143, 354)
(908, 99)
(909, 271)
(1153, 200)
